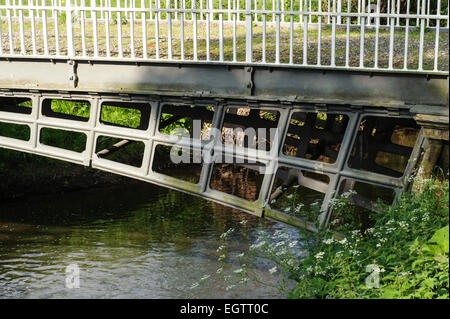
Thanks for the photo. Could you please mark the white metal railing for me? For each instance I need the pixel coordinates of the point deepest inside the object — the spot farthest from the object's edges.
(392, 35)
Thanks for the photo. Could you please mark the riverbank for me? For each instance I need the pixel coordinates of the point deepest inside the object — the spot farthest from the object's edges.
(405, 254)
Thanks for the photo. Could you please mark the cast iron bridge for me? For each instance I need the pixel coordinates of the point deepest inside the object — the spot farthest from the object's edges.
(340, 95)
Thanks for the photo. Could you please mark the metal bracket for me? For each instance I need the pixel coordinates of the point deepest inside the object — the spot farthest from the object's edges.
(252, 103)
(125, 97)
(321, 108)
(187, 100)
(36, 92)
(393, 112)
(206, 93)
(73, 78)
(65, 94)
(154, 97)
(249, 80)
(6, 92)
(356, 107)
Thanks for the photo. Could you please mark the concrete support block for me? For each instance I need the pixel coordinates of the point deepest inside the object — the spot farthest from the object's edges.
(429, 160)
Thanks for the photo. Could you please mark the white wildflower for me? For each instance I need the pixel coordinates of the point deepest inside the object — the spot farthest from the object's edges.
(220, 248)
(355, 233)
(299, 207)
(227, 233)
(403, 224)
(280, 243)
(281, 252)
(319, 255)
(348, 194)
(333, 202)
(257, 245)
(405, 273)
(273, 270)
(355, 252)
(334, 222)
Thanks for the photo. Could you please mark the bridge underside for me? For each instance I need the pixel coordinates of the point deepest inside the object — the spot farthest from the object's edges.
(335, 131)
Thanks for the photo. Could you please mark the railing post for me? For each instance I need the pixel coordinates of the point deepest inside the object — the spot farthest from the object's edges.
(70, 50)
(169, 30)
(248, 32)
(277, 32)
(339, 5)
(22, 31)
(421, 37)
(211, 7)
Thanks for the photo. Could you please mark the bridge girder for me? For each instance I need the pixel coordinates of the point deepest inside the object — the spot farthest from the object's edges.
(230, 81)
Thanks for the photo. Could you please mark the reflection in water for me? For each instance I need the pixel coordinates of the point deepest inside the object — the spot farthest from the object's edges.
(139, 241)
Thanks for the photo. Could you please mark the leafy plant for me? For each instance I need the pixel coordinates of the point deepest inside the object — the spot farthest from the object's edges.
(408, 244)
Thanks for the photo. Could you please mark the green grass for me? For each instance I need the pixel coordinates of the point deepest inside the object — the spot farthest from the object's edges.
(21, 132)
(120, 116)
(72, 141)
(76, 108)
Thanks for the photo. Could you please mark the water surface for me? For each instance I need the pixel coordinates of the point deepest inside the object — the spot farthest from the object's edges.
(137, 241)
